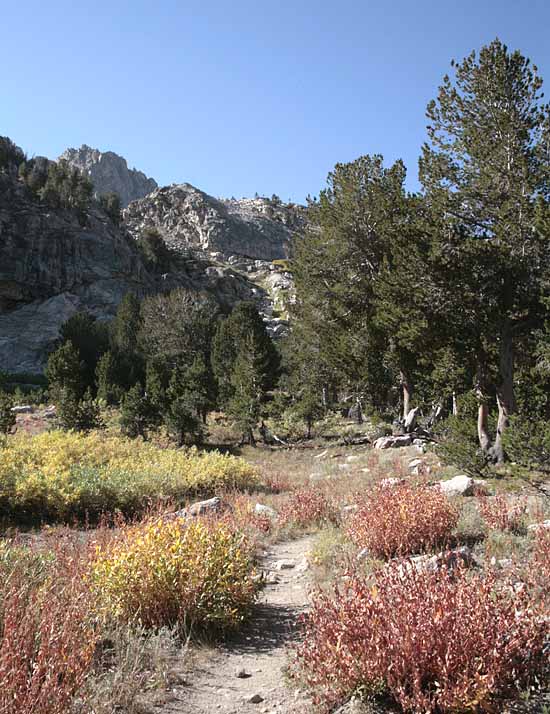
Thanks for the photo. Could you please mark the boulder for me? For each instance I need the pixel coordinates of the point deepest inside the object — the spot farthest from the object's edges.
(261, 510)
(50, 412)
(284, 564)
(458, 486)
(431, 563)
(204, 508)
(390, 482)
(393, 442)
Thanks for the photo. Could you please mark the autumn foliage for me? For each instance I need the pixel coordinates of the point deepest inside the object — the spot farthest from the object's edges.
(432, 641)
(402, 519)
(307, 507)
(172, 572)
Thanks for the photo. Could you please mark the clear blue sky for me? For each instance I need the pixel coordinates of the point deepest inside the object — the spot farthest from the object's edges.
(237, 97)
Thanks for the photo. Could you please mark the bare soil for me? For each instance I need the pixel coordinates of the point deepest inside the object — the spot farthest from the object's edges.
(252, 663)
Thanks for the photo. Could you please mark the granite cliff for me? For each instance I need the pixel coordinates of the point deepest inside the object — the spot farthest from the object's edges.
(53, 263)
(109, 172)
(189, 219)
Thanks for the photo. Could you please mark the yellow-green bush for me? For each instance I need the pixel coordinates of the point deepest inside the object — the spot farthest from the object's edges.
(173, 572)
(60, 475)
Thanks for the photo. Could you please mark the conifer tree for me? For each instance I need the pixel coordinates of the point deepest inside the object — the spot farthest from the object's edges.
(108, 379)
(242, 326)
(247, 380)
(180, 416)
(485, 173)
(137, 414)
(66, 371)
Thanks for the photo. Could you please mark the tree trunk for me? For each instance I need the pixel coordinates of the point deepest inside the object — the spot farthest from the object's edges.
(482, 426)
(309, 424)
(506, 401)
(359, 411)
(249, 438)
(407, 393)
(483, 435)
(455, 405)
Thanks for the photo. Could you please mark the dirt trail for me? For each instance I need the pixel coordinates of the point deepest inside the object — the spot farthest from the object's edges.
(259, 649)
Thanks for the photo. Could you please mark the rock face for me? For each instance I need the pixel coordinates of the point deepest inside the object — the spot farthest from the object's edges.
(189, 219)
(51, 267)
(109, 172)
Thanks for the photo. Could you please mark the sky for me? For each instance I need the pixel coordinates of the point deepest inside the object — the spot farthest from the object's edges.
(243, 97)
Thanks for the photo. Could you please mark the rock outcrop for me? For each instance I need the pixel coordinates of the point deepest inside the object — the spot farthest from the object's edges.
(51, 267)
(190, 220)
(109, 172)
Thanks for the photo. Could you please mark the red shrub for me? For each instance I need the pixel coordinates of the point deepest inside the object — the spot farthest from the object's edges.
(500, 513)
(433, 641)
(402, 519)
(47, 641)
(307, 507)
(278, 483)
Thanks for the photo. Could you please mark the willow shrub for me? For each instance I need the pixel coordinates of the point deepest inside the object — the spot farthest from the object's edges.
(172, 572)
(432, 641)
(58, 475)
(402, 519)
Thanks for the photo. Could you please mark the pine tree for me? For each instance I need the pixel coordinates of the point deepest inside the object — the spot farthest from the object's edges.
(82, 414)
(65, 371)
(336, 268)
(181, 416)
(137, 414)
(244, 324)
(107, 376)
(485, 171)
(247, 379)
(90, 339)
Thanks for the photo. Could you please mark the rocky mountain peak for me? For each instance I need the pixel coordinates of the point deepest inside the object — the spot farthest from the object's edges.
(109, 172)
(190, 220)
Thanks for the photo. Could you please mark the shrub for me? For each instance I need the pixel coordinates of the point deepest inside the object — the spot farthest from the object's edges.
(173, 572)
(403, 519)
(434, 641)
(527, 441)
(58, 475)
(47, 637)
(500, 513)
(7, 417)
(307, 507)
(78, 414)
(458, 444)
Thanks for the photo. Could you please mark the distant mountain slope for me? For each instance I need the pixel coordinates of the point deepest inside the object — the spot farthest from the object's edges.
(55, 262)
(189, 219)
(109, 172)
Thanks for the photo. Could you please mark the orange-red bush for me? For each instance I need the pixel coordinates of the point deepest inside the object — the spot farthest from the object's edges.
(501, 514)
(307, 507)
(402, 519)
(435, 642)
(47, 638)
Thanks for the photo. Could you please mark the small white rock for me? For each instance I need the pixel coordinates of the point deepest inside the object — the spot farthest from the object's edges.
(539, 526)
(458, 486)
(262, 510)
(284, 564)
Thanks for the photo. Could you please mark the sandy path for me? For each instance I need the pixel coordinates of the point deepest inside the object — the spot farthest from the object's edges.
(259, 649)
